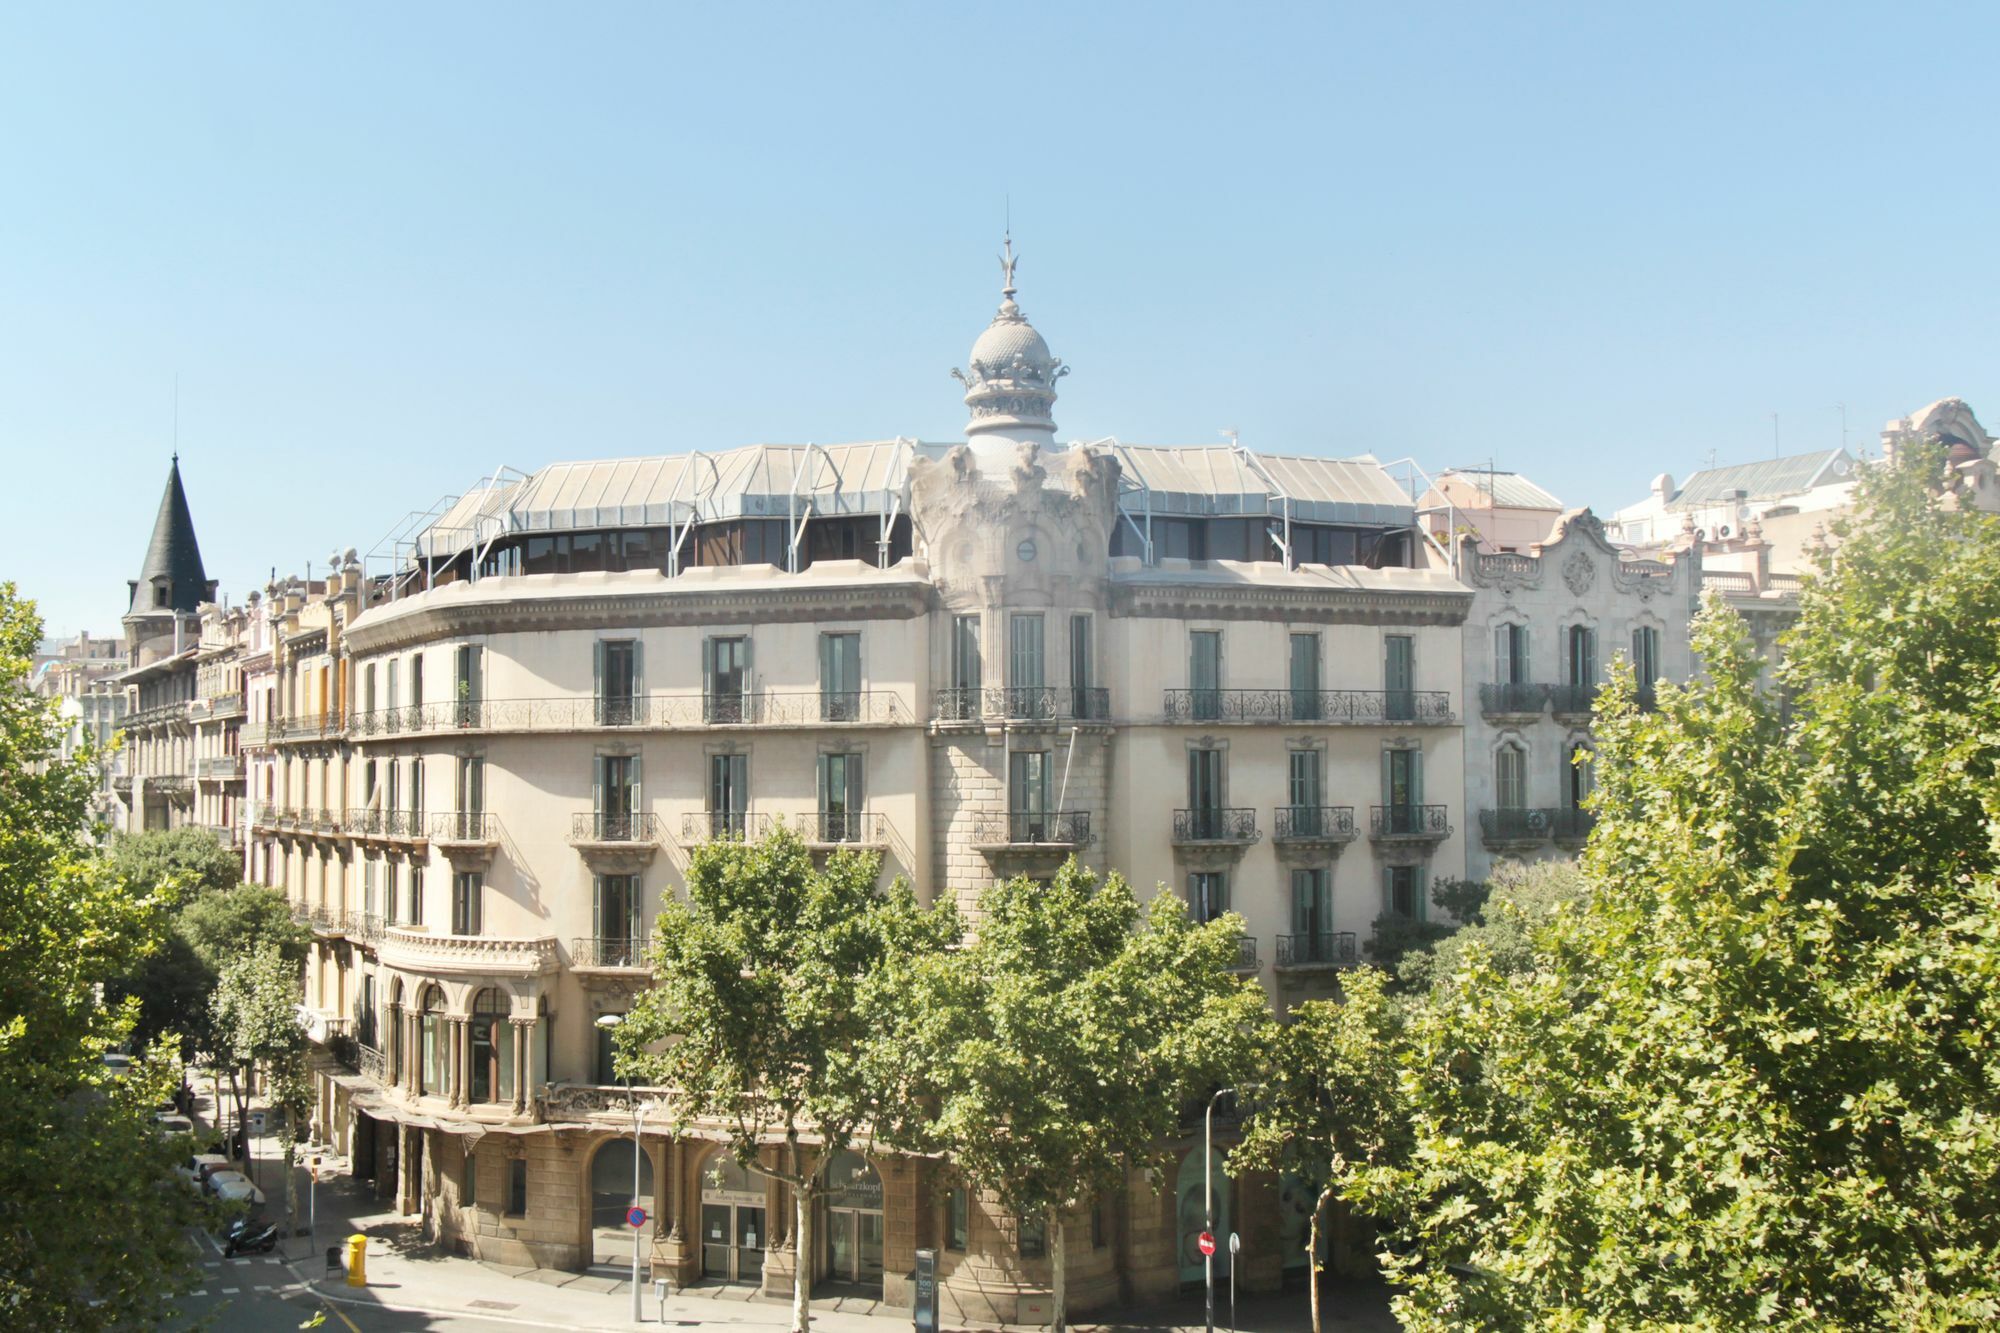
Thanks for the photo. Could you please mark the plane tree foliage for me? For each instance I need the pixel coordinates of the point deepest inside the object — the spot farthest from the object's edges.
(775, 980)
(91, 1216)
(1749, 1079)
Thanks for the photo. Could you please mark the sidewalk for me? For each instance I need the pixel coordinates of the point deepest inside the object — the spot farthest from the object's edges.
(404, 1274)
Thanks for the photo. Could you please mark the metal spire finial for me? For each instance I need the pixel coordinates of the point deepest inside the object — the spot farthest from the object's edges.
(1007, 262)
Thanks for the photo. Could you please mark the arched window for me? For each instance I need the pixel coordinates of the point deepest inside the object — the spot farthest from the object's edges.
(434, 1074)
(492, 1053)
(1510, 776)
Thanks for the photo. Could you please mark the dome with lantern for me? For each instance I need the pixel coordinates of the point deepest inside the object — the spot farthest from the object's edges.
(1010, 380)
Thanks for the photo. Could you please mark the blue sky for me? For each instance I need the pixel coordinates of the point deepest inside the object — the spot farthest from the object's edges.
(385, 249)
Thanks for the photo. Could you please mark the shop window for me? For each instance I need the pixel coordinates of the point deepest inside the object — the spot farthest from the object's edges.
(957, 1220)
(1034, 1238)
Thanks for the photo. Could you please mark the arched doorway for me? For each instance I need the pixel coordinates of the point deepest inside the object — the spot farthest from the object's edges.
(1189, 1216)
(733, 1228)
(851, 1226)
(610, 1195)
(492, 1055)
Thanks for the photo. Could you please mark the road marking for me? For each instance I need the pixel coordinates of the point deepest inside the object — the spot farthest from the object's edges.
(240, 1263)
(231, 1291)
(212, 1263)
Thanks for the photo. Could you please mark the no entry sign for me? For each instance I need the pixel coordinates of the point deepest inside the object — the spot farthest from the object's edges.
(1206, 1240)
(636, 1218)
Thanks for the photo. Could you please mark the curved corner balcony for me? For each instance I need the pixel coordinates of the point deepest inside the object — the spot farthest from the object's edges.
(641, 712)
(1409, 823)
(1326, 708)
(419, 951)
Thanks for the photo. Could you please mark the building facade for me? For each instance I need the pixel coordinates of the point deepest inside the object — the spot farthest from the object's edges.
(1233, 674)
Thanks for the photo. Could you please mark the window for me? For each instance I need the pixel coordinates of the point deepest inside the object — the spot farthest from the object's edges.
(368, 689)
(471, 684)
(466, 886)
(1204, 794)
(1645, 662)
(617, 672)
(1080, 671)
(1399, 677)
(1401, 897)
(416, 793)
(492, 1054)
(840, 677)
(728, 794)
(1305, 677)
(725, 673)
(364, 1013)
(1312, 912)
(1207, 895)
(957, 1220)
(1403, 789)
(1034, 1238)
(1580, 655)
(433, 1075)
(416, 680)
(1024, 665)
(1576, 775)
(965, 652)
(1302, 778)
(1511, 664)
(1510, 777)
(416, 913)
(1205, 674)
(471, 794)
(392, 700)
(619, 929)
(517, 1187)
(840, 797)
(617, 797)
(468, 1179)
(607, 1064)
(1028, 795)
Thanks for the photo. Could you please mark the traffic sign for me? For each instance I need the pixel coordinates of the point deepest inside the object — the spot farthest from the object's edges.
(635, 1218)
(1206, 1240)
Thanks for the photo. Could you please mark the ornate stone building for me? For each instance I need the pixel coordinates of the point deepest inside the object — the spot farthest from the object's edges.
(1231, 673)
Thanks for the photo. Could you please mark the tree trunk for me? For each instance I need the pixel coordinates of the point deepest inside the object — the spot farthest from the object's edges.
(1058, 1273)
(1312, 1251)
(802, 1202)
(291, 1182)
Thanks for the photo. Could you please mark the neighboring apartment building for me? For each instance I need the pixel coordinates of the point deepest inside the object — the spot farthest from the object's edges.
(81, 673)
(1544, 630)
(1505, 511)
(1233, 673)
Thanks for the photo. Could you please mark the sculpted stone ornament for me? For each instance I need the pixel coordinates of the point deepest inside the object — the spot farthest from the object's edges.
(1579, 572)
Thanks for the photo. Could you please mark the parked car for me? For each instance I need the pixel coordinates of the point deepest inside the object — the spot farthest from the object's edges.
(234, 1187)
(200, 1166)
(174, 1124)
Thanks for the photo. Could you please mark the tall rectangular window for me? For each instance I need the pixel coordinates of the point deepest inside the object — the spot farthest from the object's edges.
(617, 672)
(1403, 790)
(840, 798)
(1205, 674)
(1576, 776)
(416, 912)
(470, 685)
(1207, 894)
(1399, 677)
(617, 796)
(1401, 893)
(1511, 664)
(391, 699)
(368, 691)
(1028, 795)
(471, 811)
(839, 677)
(619, 929)
(1204, 793)
(1312, 911)
(725, 674)
(1025, 677)
(467, 887)
(1510, 777)
(1580, 655)
(1305, 678)
(1645, 662)
(957, 1219)
(728, 794)
(416, 680)
(1302, 778)
(1080, 668)
(965, 652)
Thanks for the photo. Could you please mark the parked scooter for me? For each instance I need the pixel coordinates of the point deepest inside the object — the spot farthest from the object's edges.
(249, 1235)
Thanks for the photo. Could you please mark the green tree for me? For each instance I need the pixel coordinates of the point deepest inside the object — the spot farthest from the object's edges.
(91, 1216)
(1068, 1040)
(254, 1016)
(774, 978)
(190, 859)
(1750, 1079)
(1513, 905)
(174, 984)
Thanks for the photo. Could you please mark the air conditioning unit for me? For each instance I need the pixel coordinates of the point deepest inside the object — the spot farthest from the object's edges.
(1723, 532)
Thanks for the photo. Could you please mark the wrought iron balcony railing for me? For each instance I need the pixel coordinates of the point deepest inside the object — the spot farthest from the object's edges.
(1048, 828)
(1570, 826)
(224, 705)
(364, 926)
(714, 825)
(1023, 703)
(1326, 707)
(831, 827)
(370, 1063)
(219, 768)
(173, 786)
(598, 826)
(328, 920)
(625, 951)
(1325, 948)
(1512, 698)
(468, 826)
(1314, 823)
(1409, 821)
(1215, 824)
(1514, 825)
(1572, 700)
(1246, 954)
(655, 711)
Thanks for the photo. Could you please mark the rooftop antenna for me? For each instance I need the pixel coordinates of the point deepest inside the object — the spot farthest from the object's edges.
(1711, 460)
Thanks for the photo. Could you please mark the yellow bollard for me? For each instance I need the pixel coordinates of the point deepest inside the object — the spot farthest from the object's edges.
(357, 1260)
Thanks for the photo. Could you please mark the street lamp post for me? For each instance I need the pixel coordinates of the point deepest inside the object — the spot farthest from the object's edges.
(609, 1022)
(1208, 1196)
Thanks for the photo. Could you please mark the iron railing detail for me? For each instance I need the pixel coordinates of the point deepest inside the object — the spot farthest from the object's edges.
(1324, 948)
(1049, 828)
(656, 711)
(1409, 821)
(1326, 707)
(844, 826)
(1572, 700)
(371, 1063)
(1512, 698)
(608, 951)
(597, 826)
(1313, 823)
(716, 825)
(1023, 703)
(1246, 954)
(1569, 825)
(1515, 825)
(1215, 824)
(464, 826)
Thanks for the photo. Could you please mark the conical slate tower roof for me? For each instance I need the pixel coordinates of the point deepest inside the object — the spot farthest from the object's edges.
(172, 555)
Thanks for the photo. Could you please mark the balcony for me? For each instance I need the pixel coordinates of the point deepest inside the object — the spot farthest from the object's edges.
(365, 926)
(409, 949)
(370, 1063)
(1050, 831)
(121, 786)
(1318, 951)
(1313, 826)
(323, 1027)
(1512, 699)
(1246, 954)
(609, 953)
(580, 1101)
(158, 715)
(1409, 823)
(1023, 703)
(1572, 703)
(221, 768)
(329, 923)
(264, 818)
(468, 838)
(301, 730)
(772, 708)
(254, 736)
(1348, 708)
(174, 786)
(1514, 828)
(1215, 825)
(615, 844)
(719, 826)
(1571, 827)
(829, 829)
(222, 706)
(377, 825)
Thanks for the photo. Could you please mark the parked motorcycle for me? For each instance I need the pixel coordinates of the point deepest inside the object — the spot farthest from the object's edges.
(249, 1235)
